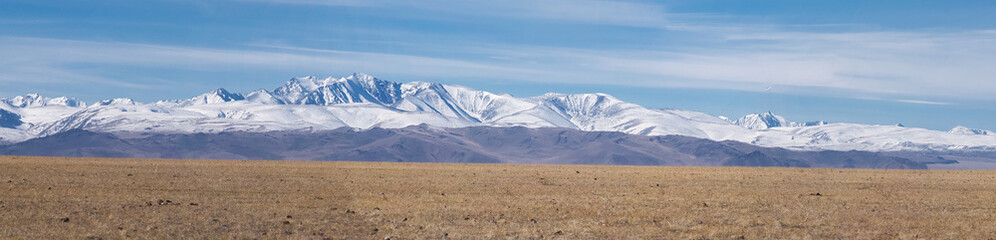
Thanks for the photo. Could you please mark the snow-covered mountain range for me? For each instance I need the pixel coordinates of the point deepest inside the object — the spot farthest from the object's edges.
(761, 121)
(969, 131)
(363, 102)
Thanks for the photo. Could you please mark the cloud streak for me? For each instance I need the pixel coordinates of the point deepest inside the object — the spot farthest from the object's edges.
(337, 3)
(946, 65)
(59, 61)
(922, 102)
(602, 12)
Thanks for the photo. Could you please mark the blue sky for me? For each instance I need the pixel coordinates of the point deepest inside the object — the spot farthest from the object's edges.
(921, 63)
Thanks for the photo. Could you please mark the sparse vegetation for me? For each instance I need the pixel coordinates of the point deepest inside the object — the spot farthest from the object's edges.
(168, 199)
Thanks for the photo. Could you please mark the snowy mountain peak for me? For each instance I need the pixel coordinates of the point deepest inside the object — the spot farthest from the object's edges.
(962, 130)
(356, 88)
(27, 100)
(66, 101)
(219, 95)
(262, 96)
(36, 100)
(308, 83)
(762, 121)
(295, 88)
(361, 77)
(220, 92)
(116, 102)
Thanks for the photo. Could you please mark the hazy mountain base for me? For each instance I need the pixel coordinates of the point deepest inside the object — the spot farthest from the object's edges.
(951, 159)
(454, 145)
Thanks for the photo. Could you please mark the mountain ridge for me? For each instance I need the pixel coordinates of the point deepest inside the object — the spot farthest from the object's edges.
(363, 102)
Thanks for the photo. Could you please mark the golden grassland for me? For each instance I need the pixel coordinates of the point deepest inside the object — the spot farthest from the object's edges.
(72, 198)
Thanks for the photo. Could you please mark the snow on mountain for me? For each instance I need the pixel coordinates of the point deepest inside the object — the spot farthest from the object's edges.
(601, 112)
(7, 107)
(219, 95)
(448, 101)
(35, 100)
(11, 135)
(847, 136)
(969, 131)
(19, 115)
(240, 116)
(27, 100)
(356, 88)
(65, 101)
(763, 121)
(362, 101)
(10, 124)
(23, 112)
(294, 91)
(263, 97)
(116, 102)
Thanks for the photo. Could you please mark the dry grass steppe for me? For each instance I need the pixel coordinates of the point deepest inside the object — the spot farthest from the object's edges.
(60, 198)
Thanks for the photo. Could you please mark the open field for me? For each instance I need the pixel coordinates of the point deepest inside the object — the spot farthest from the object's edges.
(120, 198)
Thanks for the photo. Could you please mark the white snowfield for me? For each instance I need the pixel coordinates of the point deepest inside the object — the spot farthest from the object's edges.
(361, 101)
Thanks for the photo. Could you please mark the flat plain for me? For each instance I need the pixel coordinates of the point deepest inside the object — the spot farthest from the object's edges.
(73, 198)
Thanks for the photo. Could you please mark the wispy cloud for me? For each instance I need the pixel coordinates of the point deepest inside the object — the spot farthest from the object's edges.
(41, 60)
(922, 102)
(736, 55)
(935, 64)
(346, 3)
(887, 65)
(604, 12)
